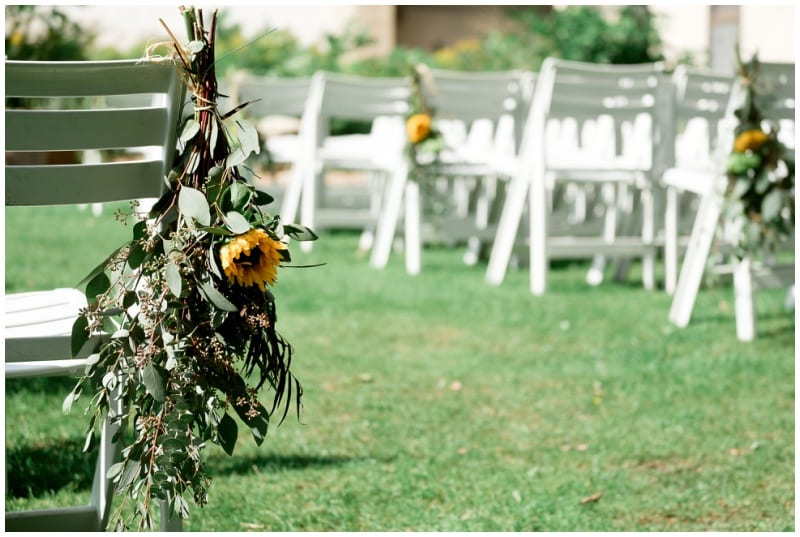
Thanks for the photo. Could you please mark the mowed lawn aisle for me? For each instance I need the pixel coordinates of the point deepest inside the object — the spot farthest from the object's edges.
(436, 402)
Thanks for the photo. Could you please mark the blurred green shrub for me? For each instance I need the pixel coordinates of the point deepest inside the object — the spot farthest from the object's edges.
(44, 33)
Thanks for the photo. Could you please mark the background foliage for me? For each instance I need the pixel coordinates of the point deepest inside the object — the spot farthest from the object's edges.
(574, 32)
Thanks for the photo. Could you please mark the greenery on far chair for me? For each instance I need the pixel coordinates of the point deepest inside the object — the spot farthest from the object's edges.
(437, 403)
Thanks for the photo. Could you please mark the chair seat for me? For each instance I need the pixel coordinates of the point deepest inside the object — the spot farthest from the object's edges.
(42, 313)
(699, 181)
(283, 148)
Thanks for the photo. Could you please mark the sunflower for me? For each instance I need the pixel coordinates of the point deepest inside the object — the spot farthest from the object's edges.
(418, 127)
(252, 258)
(751, 139)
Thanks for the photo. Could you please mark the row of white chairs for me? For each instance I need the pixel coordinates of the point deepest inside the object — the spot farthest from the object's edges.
(576, 161)
(624, 116)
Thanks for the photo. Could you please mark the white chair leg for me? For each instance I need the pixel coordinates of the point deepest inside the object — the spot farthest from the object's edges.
(648, 238)
(743, 300)
(694, 262)
(308, 203)
(671, 240)
(291, 196)
(384, 231)
(596, 272)
(507, 228)
(539, 261)
(413, 243)
(788, 302)
(109, 454)
(169, 520)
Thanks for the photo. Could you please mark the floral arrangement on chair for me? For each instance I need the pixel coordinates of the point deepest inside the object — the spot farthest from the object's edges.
(188, 307)
(760, 171)
(424, 138)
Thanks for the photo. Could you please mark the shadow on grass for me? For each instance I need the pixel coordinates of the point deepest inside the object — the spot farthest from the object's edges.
(60, 385)
(50, 466)
(274, 463)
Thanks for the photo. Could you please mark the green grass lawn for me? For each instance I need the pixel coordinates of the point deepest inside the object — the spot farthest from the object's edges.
(438, 403)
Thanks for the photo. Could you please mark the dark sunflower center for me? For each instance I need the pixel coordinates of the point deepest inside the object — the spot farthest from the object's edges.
(249, 260)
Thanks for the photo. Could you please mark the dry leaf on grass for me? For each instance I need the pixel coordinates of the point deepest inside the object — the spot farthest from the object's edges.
(591, 499)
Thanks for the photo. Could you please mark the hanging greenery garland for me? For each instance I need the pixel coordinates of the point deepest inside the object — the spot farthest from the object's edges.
(760, 171)
(187, 303)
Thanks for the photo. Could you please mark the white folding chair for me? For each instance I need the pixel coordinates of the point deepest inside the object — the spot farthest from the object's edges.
(281, 108)
(709, 185)
(383, 103)
(38, 324)
(701, 98)
(479, 114)
(618, 112)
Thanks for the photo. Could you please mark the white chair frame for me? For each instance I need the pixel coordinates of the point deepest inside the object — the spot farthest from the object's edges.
(38, 324)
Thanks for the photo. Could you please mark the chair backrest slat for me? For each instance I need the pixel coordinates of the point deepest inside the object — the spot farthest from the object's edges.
(363, 98)
(270, 95)
(63, 130)
(66, 184)
(80, 106)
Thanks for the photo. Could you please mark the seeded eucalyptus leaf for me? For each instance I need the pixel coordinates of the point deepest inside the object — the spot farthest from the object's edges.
(80, 335)
(172, 272)
(139, 230)
(216, 298)
(97, 286)
(155, 381)
(227, 432)
(237, 223)
(137, 256)
(258, 424)
(101, 267)
(192, 203)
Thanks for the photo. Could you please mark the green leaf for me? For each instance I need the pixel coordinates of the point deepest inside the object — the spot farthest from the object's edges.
(237, 223)
(239, 196)
(771, 205)
(174, 279)
(258, 425)
(192, 203)
(213, 135)
(155, 382)
(80, 334)
(115, 470)
(243, 140)
(216, 298)
(97, 286)
(101, 267)
(195, 46)
(219, 231)
(212, 263)
(190, 130)
(227, 432)
(129, 474)
(137, 256)
(262, 198)
(139, 230)
(299, 233)
(66, 406)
